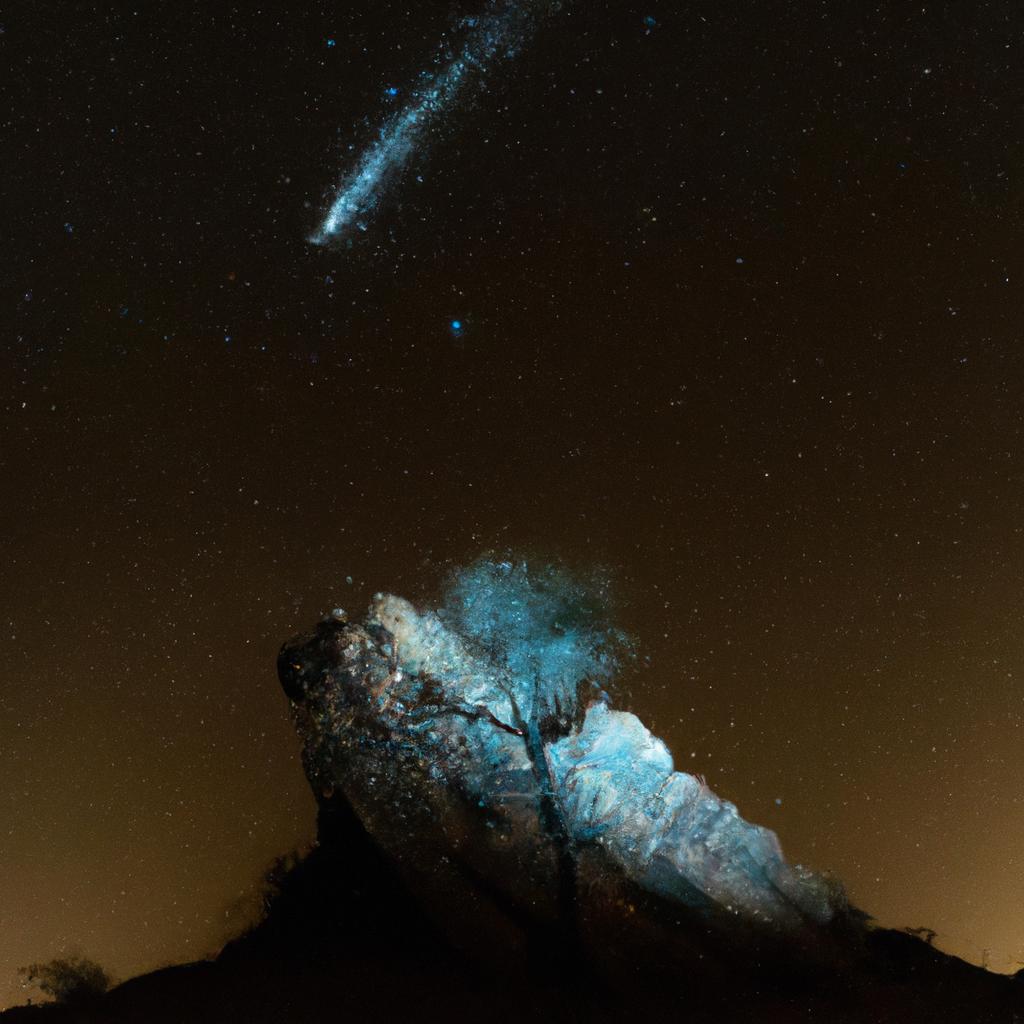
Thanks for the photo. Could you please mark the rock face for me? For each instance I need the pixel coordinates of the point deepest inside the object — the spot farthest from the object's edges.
(478, 745)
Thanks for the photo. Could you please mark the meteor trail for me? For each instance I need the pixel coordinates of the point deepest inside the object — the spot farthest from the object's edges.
(496, 34)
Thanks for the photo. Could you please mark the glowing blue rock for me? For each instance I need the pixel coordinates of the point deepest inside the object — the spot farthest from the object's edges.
(668, 831)
(485, 726)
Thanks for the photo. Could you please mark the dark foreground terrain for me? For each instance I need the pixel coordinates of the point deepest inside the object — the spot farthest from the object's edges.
(344, 939)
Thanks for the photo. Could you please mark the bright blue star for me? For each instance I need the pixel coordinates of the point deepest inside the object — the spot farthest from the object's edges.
(456, 326)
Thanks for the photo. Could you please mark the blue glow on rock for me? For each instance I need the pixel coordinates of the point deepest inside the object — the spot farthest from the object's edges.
(544, 631)
(495, 707)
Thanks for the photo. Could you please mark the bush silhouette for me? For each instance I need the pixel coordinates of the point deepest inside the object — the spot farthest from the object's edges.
(72, 981)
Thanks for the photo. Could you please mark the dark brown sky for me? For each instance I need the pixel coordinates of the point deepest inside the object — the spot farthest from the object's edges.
(742, 297)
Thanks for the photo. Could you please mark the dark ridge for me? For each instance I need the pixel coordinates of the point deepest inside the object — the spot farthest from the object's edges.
(344, 939)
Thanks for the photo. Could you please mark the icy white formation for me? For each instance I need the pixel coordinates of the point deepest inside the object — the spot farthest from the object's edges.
(667, 830)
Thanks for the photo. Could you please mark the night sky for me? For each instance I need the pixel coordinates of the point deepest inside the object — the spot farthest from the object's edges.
(740, 299)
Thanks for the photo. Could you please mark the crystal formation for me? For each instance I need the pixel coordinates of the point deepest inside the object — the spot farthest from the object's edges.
(478, 741)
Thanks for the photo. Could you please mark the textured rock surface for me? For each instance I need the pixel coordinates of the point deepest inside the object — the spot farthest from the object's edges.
(479, 741)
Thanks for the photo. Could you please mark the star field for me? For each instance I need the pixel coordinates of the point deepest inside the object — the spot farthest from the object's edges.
(726, 301)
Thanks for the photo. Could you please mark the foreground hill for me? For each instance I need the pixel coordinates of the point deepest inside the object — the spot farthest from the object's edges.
(345, 940)
(496, 842)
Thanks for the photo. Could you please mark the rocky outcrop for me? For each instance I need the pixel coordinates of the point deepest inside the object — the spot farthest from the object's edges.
(478, 745)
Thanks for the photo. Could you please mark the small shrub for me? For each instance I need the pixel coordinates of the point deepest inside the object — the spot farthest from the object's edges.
(72, 981)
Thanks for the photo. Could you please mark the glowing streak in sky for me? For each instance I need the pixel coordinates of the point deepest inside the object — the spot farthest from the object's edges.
(496, 34)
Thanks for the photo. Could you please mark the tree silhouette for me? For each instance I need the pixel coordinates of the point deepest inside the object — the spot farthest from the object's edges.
(71, 981)
(927, 934)
(550, 648)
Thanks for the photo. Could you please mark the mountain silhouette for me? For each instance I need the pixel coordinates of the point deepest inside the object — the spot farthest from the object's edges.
(495, 842)
(345, 939)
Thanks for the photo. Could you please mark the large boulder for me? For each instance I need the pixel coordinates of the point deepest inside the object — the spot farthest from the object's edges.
(478, 745)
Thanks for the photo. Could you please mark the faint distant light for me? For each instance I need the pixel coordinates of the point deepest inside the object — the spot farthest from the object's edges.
(331, 43)
(739, 259)
(650, 22)
(392, 90)
(69, 228)
(456, 325)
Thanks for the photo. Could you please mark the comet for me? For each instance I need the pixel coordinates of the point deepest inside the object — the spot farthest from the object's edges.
(497, 34)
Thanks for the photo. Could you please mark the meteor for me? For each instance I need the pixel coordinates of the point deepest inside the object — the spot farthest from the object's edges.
(495, 35)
